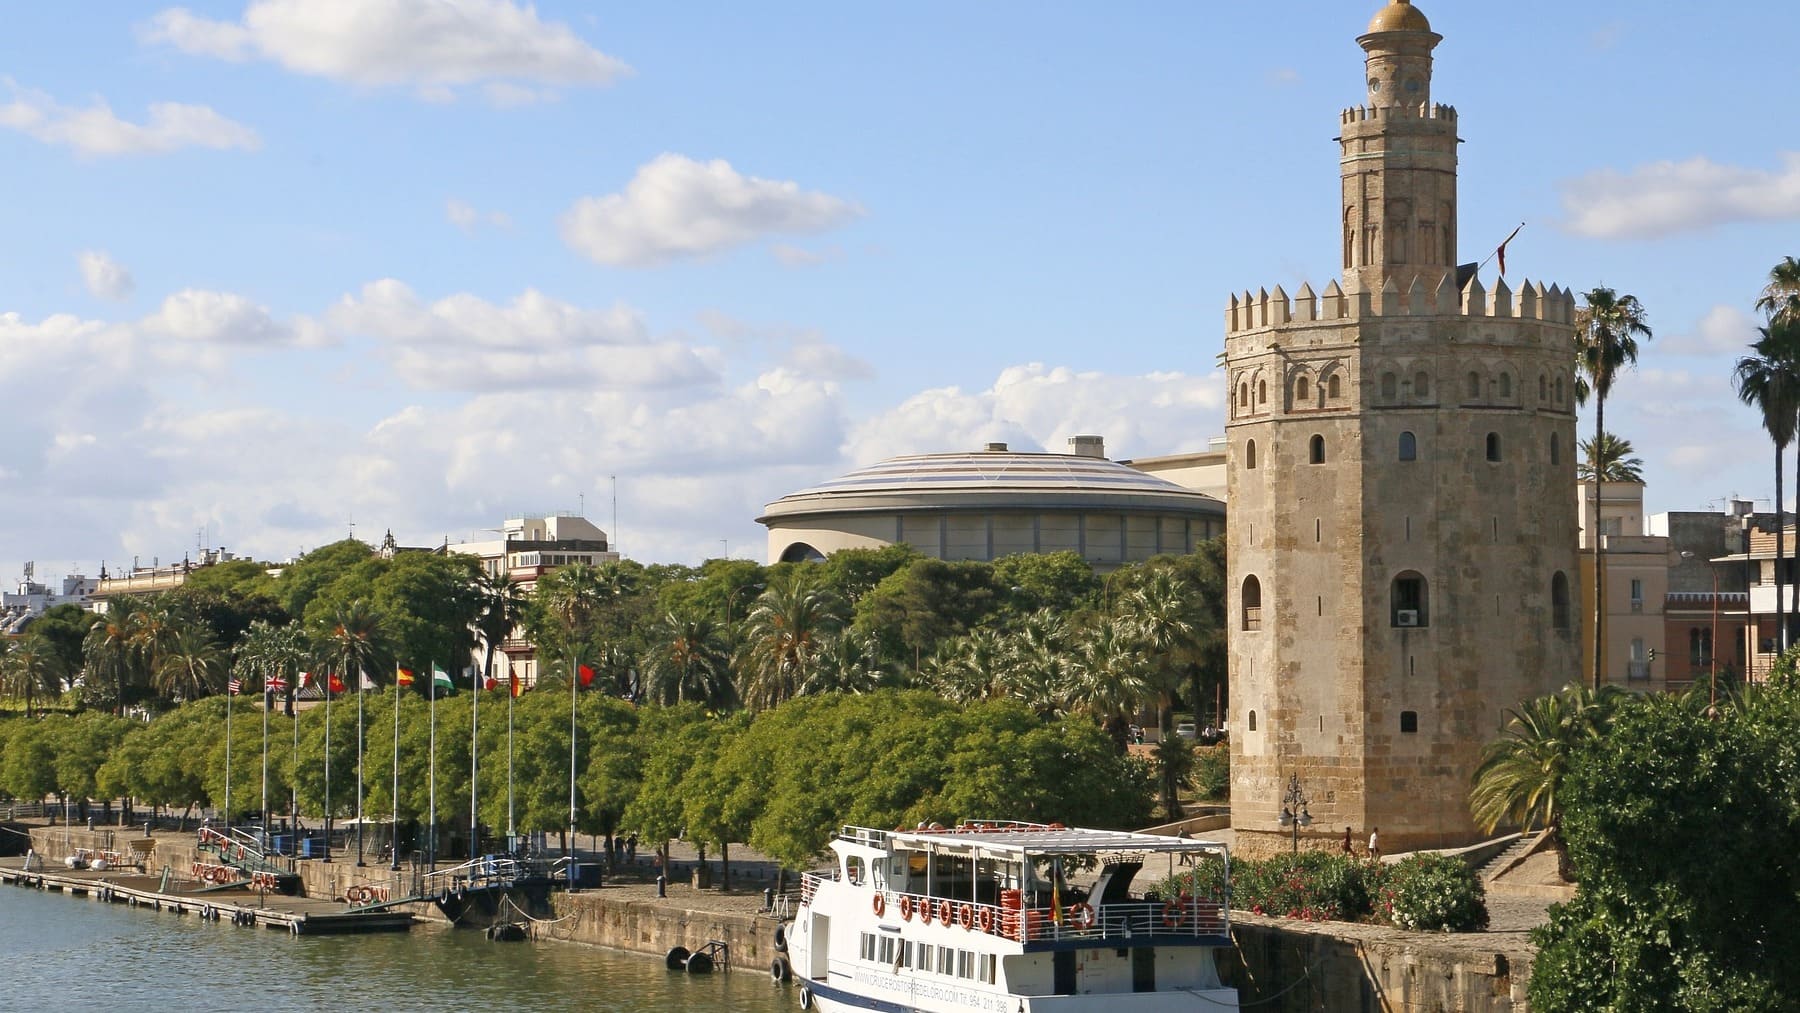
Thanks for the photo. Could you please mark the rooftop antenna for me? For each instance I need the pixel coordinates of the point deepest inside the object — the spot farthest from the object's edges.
(615, 511)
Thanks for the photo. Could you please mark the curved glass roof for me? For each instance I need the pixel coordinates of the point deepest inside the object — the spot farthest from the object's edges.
(993, 471)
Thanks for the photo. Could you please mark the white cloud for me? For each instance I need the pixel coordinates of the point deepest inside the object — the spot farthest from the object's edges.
(1037, 406)
(1723, 330)
(677, 207)
(433, 46)
(1665, 198)
(95, 130)
(463, 215)
(105, 277)
(464, 342)
(795, 256)
(221, 318)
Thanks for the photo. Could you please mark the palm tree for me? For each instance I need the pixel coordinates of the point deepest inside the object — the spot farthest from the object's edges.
(1038, 666)
(107, 653)
(785, 636)
(688, 661)
(1769, 380)
(1110, 679)
(1158, 616)
(1780, 298)
(192, 665)
(502, 606)
(1607, 329)
(267, 650)
(573, 596)
(849, 664)
(156, 622)
(1521, 773)
(1613, 458)
(353, 642)
(30, 667)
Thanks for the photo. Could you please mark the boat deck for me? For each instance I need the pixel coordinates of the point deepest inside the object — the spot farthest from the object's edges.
(251, 908)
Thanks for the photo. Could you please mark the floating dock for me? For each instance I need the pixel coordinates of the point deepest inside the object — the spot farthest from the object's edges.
(239, 905)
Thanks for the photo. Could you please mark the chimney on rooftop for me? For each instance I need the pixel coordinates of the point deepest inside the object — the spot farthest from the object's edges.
(1088, 446)
(996, 448)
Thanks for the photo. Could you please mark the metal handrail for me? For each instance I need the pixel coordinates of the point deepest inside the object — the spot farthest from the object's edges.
(1182, 917)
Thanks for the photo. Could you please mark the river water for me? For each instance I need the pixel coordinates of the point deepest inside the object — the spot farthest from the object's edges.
(60, 952)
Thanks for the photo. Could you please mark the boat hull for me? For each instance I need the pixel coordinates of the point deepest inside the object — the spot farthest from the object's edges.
(480, 907)
(952, 999)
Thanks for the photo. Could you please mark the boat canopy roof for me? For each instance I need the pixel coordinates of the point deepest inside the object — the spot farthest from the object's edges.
(1020, 841)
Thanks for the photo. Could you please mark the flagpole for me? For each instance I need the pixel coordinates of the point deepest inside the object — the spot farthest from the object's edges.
(228, 695)
(394, 822)
(267, 697)
(474, 762)
(293, 697)
(574, 690)
(327, 848)
(361, 677)
(512, 690)
(431, 817)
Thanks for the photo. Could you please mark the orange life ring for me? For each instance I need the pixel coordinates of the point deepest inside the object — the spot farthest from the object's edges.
(965, 916)
(943, 911)
(1058, 826)
(906, 906)
(1172, 912)
(925, 910)
(987, 919)
(1082, 915)
(879, 903)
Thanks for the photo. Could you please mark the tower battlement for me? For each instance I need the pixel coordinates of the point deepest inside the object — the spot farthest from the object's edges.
(1262, 310)
(1422, 111)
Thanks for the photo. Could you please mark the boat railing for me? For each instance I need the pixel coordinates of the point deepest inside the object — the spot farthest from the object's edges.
(1181, 917)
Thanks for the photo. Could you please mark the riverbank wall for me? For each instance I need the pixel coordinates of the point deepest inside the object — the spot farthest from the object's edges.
(658, 926)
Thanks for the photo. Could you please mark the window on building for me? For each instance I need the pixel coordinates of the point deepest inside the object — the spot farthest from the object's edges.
(1559, 601)
(1555, 449)
(1409, 447)
(1699, 646)
(1638, 667)
(1473, 386)
(1252, 604)
(1300, 389)
(1333, 388)
(1637, 595)
(1316, 449)
(1243, 395)
(1506, 386)
(1493, 446)
(1410, 600)
(1262, 392)
(1559, 390)
(1390, 386)
(1249, 455)
(1252, 725)
(1409, 722)
(1422, 384)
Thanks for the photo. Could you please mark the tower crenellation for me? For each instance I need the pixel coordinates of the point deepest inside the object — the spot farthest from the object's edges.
(1400, 474)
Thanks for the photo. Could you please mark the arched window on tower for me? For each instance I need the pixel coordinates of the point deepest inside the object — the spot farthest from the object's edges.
(1333, 389)
(1543, 387)
(1262, 392)
(1409, 447)
(1243, 395)
(1493, 446)
(1316, 449)
(1252, 604)
(1559, 601)
(1390, 386)
(1559, 390)
(1472, 389)
(1252, 726)
(1505, 386)
(1249, 455)
(1301, 390)
(1422, 384)
(1410, 600)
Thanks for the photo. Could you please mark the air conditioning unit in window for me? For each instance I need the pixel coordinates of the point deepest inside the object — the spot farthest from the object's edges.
(1407, 617)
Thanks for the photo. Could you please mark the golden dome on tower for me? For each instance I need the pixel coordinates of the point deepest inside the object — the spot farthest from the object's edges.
(1399, 16)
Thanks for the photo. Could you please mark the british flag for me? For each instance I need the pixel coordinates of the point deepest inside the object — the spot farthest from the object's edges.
(275, 684)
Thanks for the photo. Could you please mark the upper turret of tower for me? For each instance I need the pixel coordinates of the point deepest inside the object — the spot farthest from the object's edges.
(1399, 43)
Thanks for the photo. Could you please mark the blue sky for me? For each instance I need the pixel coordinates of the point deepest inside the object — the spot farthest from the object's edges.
(275, 266)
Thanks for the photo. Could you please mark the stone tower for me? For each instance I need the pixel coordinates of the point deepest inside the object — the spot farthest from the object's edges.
(1401, 477)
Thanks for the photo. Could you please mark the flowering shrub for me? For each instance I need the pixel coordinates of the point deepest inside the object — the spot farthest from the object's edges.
(1429, 892)
(1424, 892)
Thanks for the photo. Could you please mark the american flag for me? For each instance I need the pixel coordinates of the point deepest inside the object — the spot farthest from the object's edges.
(234, 686)
(275, 684)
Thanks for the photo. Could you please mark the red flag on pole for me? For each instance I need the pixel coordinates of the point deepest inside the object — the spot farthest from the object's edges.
(334, 684)
(587, 676)
(513, 678)
(1501, 252)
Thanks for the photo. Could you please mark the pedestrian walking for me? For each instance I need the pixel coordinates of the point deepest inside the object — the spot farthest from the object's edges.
(1375, 843)
(1349, 849)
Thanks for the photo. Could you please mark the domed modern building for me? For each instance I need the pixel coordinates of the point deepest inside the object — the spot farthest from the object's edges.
(993, 503)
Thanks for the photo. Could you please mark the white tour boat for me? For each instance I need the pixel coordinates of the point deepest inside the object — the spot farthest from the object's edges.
(1008, 917)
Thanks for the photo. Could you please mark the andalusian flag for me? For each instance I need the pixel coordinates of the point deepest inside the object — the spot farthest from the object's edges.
(440, 679)
(403, 676)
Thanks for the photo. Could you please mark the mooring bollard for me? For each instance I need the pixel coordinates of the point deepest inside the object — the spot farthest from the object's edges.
(662, 886)
(768, 898)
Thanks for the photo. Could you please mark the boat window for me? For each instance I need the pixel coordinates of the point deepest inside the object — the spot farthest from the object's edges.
(965, 963)
(853, 869)
(946, 960)
(990, 964)
(868, 946)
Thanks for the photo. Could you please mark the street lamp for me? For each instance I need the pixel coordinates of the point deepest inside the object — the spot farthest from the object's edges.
(1294, 801)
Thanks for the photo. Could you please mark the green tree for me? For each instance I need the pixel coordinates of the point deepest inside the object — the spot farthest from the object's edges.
(1060, 581)
(353, 642)
(500, 605)
(1768, 380)
(110, 660)
(269, 651)
(1109, 677)
(688, 662)
(1613, 458)
(1519, 780)
(304, 578)
(63, 628)
(191, 665)
(1607, 329)
(30, 668)
(786, 635)
(1159, 616)
(1685, 841)
(1780, 296)
(930, 601)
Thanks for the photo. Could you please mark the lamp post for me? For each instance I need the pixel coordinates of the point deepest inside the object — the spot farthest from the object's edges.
(1293, 809)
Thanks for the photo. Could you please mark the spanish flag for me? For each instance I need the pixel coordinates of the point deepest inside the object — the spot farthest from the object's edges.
(1056, 912)
(403, 676)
